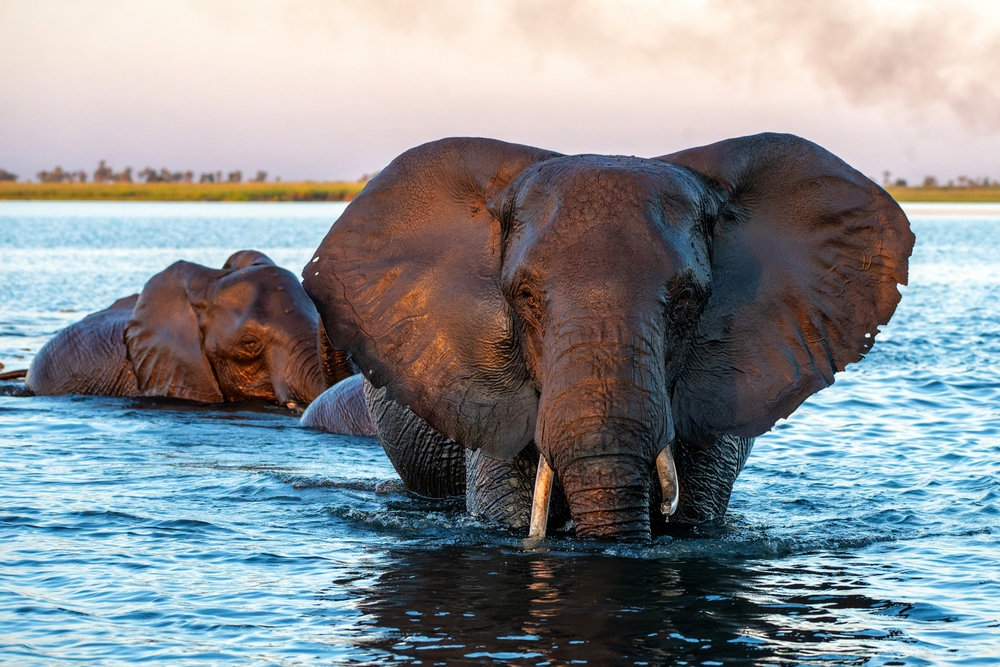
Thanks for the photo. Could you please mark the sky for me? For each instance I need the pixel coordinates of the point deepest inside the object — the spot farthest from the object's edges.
(329, 90)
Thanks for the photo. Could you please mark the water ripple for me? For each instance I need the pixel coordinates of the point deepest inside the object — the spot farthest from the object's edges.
(864, 529)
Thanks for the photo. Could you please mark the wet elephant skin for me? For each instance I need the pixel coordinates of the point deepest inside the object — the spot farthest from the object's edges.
(245, 332)
(611, 310)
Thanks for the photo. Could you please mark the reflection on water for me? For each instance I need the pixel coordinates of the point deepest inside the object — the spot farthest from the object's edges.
(563, 607)
(459, 604)
(863, 531)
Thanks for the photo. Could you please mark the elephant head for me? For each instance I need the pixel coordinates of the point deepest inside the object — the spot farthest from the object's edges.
(247, 331)
(609, 308)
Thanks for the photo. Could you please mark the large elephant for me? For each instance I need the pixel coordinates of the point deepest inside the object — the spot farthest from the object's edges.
(247, 331)
(630, 324)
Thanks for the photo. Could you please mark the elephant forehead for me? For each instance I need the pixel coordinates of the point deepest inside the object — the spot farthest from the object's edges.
(234, 294)
(264, 288)
(593, 186)
(630, 245)
(244, 258)
(600, 203)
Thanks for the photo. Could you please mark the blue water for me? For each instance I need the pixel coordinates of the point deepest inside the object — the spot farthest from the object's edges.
(865, 530)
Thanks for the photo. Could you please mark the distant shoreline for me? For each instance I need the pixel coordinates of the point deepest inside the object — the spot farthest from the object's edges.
(945, 195)
(291, 191)
(339, 191)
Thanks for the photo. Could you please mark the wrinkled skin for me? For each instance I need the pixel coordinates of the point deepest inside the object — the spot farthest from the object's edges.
(246, 332)
(341, 409)
(606, 311)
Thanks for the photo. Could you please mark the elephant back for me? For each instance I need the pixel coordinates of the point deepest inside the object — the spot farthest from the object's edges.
(88, 357)
(340, 409)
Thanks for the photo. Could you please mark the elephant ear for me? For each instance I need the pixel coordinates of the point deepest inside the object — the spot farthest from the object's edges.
(164, 338)
(806, 257)
(407, 282)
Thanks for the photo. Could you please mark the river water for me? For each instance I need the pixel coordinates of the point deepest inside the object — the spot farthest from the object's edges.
(864, 530)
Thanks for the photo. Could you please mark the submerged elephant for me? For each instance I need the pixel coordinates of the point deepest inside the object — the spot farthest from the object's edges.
(630, 324)
(247, 331)
(341, 409)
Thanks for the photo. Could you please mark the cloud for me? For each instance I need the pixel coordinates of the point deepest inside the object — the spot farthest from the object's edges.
(914, 55)
(335, 88)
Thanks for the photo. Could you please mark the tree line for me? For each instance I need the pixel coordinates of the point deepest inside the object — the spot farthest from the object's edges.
(932, 182)
(105, 174)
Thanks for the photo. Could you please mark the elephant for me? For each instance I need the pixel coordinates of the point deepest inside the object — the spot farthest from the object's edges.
(600, 338)
(341, 409)
(245, 332)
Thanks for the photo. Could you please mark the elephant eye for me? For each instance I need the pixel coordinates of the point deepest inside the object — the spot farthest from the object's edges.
(251, 344)
(684, 299)
(528, 298)
(529, 304)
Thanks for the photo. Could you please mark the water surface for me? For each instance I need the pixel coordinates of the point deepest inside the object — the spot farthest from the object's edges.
(864, 529)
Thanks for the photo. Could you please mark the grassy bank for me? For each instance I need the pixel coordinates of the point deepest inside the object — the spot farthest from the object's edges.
(334, 191)
(946, 195)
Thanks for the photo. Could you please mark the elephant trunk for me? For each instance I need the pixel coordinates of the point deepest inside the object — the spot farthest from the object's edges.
(298, 373)
(603, 420)
(608, 495)
(333, 362)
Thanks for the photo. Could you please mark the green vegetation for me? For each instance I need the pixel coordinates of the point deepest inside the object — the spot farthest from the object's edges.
(341, 191)
(332, 191)
(989, 193)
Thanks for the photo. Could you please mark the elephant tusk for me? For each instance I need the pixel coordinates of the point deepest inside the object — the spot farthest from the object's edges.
(670, 489)
(540, 500)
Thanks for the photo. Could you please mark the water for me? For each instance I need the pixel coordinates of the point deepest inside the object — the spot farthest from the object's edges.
(863, 531)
